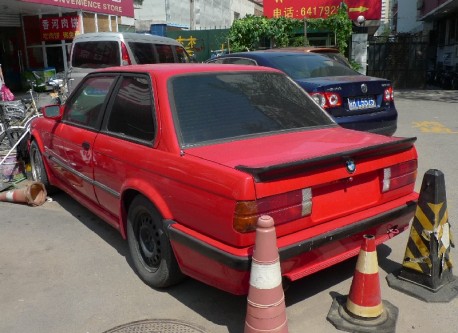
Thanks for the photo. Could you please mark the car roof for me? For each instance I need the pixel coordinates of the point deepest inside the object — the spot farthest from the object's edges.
(179, 68)
(266, 54)
(305, 49)
(128, 36)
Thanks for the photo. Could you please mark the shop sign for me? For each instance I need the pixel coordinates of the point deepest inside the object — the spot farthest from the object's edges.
(111, 7)
(59, 28)
(299, 9)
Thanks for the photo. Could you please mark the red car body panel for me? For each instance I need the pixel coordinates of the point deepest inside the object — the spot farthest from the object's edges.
(195, 189)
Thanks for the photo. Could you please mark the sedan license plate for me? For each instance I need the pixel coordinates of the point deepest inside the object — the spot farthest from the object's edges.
(361, 103)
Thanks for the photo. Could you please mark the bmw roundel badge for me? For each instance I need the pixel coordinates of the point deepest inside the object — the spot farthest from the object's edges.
(364, 88)
(351, 166)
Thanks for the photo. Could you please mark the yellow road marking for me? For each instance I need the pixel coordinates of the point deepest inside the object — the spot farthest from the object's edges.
(432, 127)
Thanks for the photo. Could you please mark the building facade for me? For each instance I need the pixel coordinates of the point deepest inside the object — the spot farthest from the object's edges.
(193, 14)
(440, 18)
(37, 34)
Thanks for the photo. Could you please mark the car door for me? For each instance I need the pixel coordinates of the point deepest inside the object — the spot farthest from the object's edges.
(72, 139)
(124, 146)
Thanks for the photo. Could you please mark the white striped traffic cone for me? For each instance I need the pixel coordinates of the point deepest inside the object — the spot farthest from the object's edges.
(266, 311)
(363, 309)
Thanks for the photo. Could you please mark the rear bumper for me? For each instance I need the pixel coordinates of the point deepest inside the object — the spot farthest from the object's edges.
(230, 271)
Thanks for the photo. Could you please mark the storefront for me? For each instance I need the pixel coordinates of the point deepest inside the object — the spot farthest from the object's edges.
(37, 34)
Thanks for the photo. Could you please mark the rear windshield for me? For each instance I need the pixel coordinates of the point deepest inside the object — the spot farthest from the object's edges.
(149, 53)
(225, 106)
(302, 66)
(95, 54)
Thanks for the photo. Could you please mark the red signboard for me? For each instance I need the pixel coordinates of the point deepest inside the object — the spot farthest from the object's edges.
(370, 9)
(112, 7)
(58, 28)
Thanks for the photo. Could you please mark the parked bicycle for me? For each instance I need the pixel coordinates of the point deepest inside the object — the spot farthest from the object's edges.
(16, 118)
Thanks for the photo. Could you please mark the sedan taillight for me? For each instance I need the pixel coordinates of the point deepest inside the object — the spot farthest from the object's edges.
(327, 99)
(399, 175)
(282, 208)
(388, 95)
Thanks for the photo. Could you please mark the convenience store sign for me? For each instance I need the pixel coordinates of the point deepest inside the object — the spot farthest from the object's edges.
(299, 9)
(111, 7)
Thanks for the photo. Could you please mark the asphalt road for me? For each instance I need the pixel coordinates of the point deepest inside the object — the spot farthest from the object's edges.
(64, 270)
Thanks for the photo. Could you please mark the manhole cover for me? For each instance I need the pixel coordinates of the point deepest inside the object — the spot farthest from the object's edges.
(156, 326)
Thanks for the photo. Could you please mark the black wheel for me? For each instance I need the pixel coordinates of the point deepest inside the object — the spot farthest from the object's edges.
(149, 246)
(38, 168)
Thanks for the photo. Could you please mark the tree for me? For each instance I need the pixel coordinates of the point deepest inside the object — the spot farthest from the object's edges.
(250, 32)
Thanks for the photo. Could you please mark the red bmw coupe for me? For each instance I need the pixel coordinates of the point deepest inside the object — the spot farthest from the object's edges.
(182, 159)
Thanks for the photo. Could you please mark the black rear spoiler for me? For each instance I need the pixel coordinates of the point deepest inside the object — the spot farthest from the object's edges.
(272, 172)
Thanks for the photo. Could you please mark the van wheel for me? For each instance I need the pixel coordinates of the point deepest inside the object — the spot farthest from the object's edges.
(149, 246)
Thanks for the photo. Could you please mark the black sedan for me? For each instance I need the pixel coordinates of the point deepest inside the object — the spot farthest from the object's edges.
(354, 100)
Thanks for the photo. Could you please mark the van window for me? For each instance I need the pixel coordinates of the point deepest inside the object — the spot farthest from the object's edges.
(95, 54)
(143, 52)
(165, 53)
(181, 54)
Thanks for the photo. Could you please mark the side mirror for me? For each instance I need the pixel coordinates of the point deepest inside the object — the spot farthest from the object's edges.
(52, 112)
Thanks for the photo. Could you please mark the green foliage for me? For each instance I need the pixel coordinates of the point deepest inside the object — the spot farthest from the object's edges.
(250, 32)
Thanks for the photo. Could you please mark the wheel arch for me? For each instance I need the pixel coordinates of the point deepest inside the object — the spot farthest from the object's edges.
(151, 194)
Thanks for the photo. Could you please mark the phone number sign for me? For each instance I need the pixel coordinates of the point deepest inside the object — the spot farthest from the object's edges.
(299, 9)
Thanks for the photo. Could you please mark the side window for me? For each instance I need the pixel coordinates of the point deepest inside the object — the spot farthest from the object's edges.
(165, 53)
(182, 55)
(143, 52)
(95, 54)
(132, 110)
(85, 109)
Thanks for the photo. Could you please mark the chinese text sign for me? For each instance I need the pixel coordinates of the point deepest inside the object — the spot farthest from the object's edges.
(58, 28)
(370, 9)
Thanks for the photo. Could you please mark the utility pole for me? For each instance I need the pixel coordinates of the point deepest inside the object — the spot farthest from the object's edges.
(306, 42)
(192, 21)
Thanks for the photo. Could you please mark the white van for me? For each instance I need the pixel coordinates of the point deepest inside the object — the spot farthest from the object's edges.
(106, 49)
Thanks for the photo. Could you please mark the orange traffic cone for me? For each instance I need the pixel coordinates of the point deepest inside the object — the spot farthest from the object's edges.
(33, 194)
(266, 311)
(364, 299)
(363, 309)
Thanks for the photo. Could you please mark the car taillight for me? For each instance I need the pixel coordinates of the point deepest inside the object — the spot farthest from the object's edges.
(125, 55)
(282, 208)
(388, 95)
(399, 175)
(327, 99)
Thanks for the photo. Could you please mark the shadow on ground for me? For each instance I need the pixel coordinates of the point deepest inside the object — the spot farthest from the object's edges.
(201, 299)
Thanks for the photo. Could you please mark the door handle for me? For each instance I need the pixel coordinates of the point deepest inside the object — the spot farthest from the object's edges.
(86, 145)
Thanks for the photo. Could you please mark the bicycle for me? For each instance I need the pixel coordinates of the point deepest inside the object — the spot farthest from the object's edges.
(15, 120)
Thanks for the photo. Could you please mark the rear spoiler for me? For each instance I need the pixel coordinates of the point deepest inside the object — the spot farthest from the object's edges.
(272, 172)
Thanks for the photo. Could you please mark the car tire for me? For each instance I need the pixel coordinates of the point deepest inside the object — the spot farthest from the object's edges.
(149, 246)
(38, 168)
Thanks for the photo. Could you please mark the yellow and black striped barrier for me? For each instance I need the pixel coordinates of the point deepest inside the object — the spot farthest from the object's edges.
(426, 271)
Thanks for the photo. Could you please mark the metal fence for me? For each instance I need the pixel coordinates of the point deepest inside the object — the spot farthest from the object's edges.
(401, 59)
